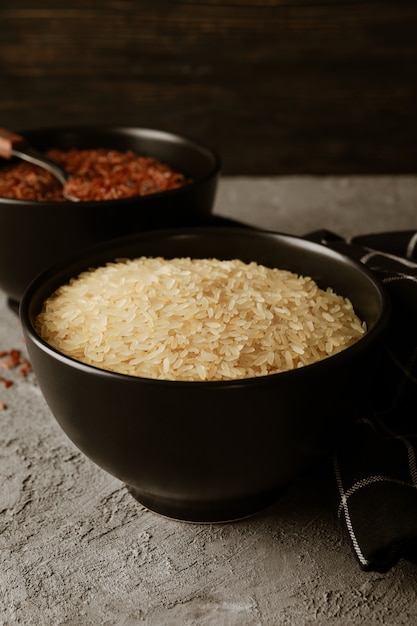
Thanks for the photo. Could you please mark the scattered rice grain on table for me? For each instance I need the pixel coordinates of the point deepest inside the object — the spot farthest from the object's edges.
(196, 319)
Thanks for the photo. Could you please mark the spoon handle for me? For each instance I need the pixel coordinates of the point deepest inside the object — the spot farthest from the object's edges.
(9, 141)
(13, 144)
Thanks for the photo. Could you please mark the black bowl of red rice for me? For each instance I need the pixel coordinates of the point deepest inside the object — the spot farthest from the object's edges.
(127, 180)
(205, 367)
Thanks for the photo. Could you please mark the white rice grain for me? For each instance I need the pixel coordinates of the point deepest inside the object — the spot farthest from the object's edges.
(196, 319)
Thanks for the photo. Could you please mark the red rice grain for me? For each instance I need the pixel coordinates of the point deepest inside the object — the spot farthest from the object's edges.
(97, 174)
(14, 359)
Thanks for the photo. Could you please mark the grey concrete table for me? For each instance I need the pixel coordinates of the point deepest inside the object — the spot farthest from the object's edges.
(76, 549)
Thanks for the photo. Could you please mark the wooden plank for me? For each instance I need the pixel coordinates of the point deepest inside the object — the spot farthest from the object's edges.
(276, 86)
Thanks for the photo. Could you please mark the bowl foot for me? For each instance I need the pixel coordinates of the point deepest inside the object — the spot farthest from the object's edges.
(204, 512)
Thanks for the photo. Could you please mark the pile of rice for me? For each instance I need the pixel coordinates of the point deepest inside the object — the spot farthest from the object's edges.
(196, 319)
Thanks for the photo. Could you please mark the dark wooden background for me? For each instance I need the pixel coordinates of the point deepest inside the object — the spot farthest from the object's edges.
(277, 86)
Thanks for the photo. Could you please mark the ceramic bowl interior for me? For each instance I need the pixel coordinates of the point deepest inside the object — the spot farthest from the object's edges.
(34, 235)
(211, 451)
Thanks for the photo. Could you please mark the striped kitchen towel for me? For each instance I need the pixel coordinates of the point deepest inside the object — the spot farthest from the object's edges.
(375, 466)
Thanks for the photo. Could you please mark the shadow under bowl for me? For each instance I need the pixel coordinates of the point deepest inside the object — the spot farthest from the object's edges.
(211, 451)
(34, 235)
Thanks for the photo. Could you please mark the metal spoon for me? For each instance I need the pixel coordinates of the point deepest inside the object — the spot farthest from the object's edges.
(12, 144)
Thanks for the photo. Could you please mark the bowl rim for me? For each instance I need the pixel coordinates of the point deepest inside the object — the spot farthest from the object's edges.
(172, 137)
(370, 337)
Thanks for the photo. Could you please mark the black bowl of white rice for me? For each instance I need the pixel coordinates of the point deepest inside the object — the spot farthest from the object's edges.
(204, 367)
